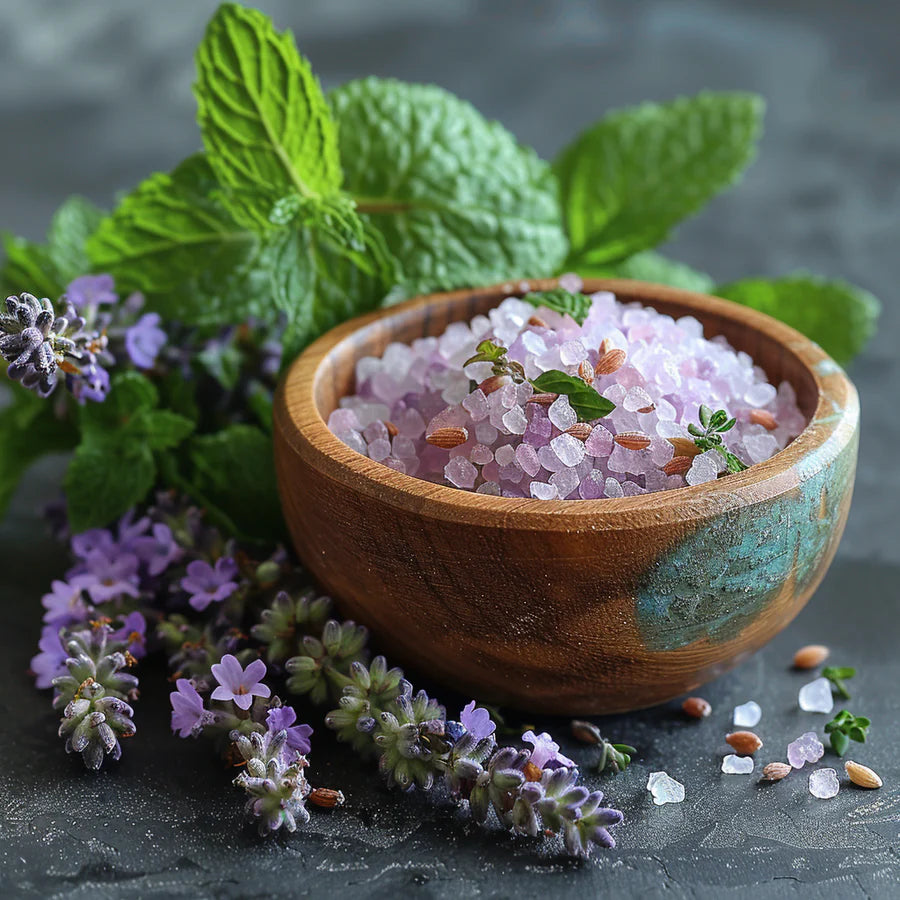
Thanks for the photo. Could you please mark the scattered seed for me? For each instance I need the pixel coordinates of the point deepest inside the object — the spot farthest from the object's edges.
(542, 399)
(392, 429)
(684, 447)
(763, 417)
(326, 797)
(610, 362)
(677, 465)
(697, 707)
(862, 776)
(586, 372)
(447, 438)
(775, 771)
(745, 743)
(537, 322)
(580, 430)
(586, 732)
(633, 440)
(647, 409)
(811, 656)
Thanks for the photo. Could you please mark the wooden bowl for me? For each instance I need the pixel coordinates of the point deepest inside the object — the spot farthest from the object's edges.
(567, 606)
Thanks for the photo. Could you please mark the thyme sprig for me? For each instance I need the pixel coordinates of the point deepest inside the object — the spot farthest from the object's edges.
(708, 436)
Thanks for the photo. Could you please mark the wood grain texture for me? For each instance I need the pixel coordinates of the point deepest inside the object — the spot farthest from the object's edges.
(571, 607)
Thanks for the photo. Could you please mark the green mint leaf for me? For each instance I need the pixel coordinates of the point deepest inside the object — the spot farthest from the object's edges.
(458, 201)
(651, 266)
(265, 123)
(705, 415)
(28, 430)
(28, 267)
(72, 226)
(234, 469)
(563, 302)
(162, 429)
(839, 742)
(487, 351)
(836, 315)
(584, 399)
(626, 181)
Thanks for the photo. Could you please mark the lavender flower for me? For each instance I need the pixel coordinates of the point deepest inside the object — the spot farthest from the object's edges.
(187, 709)
(238, 684)
(92, 291)
(282, 718)
(157, 551)
(477, 721)
(545, 754)
(133, 634)
(95, 540)
(115, 575)
(66, 603)
(144, 340)
(207, 584)
(51, 660)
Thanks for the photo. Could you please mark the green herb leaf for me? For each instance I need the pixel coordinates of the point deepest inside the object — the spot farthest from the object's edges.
(563, 302)
(234, 469)
(836, 315)
(839, 742)
(458, 201)
(630, 178)
(651, 266)
(487, 351)
(584, 399)
(266, 127)
(845, 727)
(837, 675)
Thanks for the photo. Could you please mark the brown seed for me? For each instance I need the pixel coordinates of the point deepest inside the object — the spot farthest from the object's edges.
(532, 772)
(537, 322)
(326, 797)
(745, 743)
(542, 399)
(633, 440)
(862, 776)
(392, 429)
(447, 438)
(810, 656)
(763, 417)
(697, 707)
(580, 430)
(586, 372)
(677, 465)
(586, 732)
(775, 771)
(493, 383)
(647, 409)
(605, 346)
(610, 362)
(684, 446)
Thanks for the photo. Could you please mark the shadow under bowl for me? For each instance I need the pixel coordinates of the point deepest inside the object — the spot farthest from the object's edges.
(570, 607)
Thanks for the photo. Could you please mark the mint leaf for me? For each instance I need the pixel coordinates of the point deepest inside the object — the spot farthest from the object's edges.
(585, 400)
(458, 201)
(836, 315)
(28, 267)
(626, 181)
(651, 266)
(28, 430)
(266, 126)
(234, 469)
(564, 302)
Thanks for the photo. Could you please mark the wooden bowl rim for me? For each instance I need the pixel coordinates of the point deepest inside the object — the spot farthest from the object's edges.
(833, 424)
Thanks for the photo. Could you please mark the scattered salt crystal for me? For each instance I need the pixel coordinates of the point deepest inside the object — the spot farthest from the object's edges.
(824, 784)
(561, 413)
(505, 455)
(748, 714)
(541, 491)
(737, 765)
(807, 748)
(514, 421)
(568, 449)
(664, 789)
(461, 473)
(816, 696)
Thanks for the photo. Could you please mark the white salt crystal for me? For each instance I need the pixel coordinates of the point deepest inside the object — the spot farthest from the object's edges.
(354, 440)
(461, 473)
(571, 282)
(636, 398)
(533, 343)
(527, 458)
(371, 412)
(761, 394)
(568, 449)
(549, 460)
(505, 455)
(824, 784)
(747, 714)
(561, 414)
(737, 765)
(612, 488)
(816, 696)
(571, 353)
(566, 481)
(664, 788)
(760, 446)
(379, 449)
(508, 395)
(515, 421)
(704, 468)
(481, 455)
(541, 491)
(476, 405)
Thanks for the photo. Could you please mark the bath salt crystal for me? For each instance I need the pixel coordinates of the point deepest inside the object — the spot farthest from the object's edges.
(747, 715)
(489, 487)
(572, 352)
(592, 486)
(343, 420)
(737, 765)
(636, 398)
(541, 491)
(354, 440)
(481, 455)
(760, 446)
(824, 784)
(508, 396)
(485, 433)
(460, 472)
(505, 455)
(665, 789)
(514, 421)
(476, 405)
(599, 443)
(375, 431)
(561, 413)
(403, 448)
(409, 422)
(568, 449)
(379, 449)
(760, 395)
(371, 412)
(527, 458)
(631, 489)
(806, 748)
(533, 343)
(704, 468)
(571, 282)
(566, 481)
(816, 696)
(612, 488)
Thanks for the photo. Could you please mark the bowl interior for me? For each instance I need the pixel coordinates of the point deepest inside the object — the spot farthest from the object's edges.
(335, 377)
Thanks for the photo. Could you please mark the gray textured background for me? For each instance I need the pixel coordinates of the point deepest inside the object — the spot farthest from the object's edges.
(94, 95)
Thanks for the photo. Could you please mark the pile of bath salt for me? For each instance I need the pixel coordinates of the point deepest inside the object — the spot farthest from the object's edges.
(497, 437)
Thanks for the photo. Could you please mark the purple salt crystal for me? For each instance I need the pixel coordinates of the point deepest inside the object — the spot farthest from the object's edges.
(343, 420)
(476, 404)
(566, 481)
(527, 458)
(505, 455)
(481, 454)
(599, 443)
(592, 486)
(461, 473)
(380, 449)
(807, 748)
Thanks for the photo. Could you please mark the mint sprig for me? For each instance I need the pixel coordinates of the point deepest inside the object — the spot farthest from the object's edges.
(846, 727)
(584, 399)
(838, 676)
(561, 301)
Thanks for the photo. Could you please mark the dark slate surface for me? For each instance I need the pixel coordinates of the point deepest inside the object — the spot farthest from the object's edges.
(94, 95)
